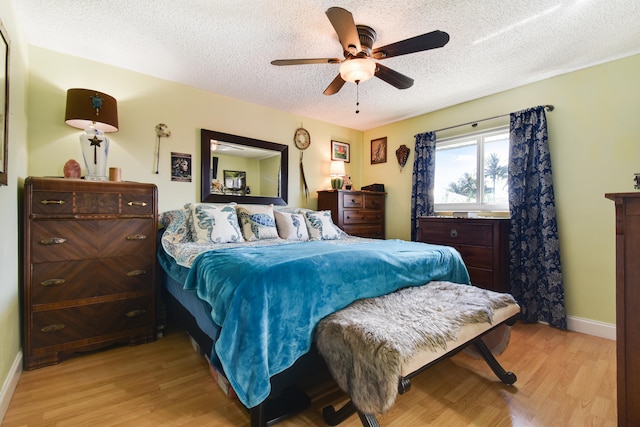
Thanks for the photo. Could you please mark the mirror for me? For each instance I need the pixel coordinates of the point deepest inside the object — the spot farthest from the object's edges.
(243, 170)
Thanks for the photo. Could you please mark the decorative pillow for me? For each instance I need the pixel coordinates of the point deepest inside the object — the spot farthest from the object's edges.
(291, 226)
(321, 226)
(215, 223)
(257, 222)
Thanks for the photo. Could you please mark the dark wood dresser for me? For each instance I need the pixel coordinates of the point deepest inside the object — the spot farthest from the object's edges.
(482, 242)
(89, 266)
(627, 208)
(359, 213)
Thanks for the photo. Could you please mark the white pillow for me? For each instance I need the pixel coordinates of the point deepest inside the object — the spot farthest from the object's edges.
(215, 223)
(321, 226)
(257, 222)
(291, 226)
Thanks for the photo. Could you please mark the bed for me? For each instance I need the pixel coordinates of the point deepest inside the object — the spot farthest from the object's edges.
(250, 283)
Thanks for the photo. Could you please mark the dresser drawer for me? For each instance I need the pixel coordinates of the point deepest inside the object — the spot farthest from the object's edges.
(137, 204)
(354, 216)
(57, 328)
(73, 280)
(476, 256)
(454, 233)
(485, 279)
(352, 200)
(97, 203)
(52, 203)
(372, 201)
(64, 240)
(372, 231)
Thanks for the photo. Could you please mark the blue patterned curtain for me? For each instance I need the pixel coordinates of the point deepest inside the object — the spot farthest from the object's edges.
(536, 274)
(424, 167)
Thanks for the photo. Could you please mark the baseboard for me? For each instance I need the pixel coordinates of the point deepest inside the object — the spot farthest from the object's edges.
(591, 327)
(10, 384)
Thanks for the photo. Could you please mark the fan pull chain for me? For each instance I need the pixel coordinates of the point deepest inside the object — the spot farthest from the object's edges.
(357, 96)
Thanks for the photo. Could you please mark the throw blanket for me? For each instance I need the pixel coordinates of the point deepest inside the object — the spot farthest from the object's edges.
(269, 300)
(366, 344)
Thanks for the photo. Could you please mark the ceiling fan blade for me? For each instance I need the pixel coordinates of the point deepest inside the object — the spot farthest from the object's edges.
(335, 86)
(306, 61)
(432, 40)
(392, 77)
(345, 27)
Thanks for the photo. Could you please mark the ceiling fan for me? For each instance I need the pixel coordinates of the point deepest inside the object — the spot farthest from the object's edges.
(358, 64)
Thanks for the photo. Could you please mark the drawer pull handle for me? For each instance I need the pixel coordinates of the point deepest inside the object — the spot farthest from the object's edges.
(136, 273)
(453, 232)
(139, 204)
(53, 241)
(53, 202)
(136, 237)
(136, 313)
(54, 328)
(52, 282)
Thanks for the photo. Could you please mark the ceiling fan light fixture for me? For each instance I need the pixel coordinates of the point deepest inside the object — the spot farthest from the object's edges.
(357, 70)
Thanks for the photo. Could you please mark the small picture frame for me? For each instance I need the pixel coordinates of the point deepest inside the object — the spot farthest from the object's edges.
(181, 167)
(340, 151)
(379, 150)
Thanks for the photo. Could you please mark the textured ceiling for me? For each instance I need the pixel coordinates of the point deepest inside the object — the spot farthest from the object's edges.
(226, 46)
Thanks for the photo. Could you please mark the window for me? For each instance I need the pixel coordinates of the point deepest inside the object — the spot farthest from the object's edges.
(458, 185)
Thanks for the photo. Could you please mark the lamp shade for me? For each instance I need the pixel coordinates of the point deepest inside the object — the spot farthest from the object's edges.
(337, 168)
(357, 70)
(89, 107)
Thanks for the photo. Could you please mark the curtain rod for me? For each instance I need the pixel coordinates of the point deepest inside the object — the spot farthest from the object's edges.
(475, 122)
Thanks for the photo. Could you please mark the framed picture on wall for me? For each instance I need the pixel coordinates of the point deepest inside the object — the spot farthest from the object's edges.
(181, 167)
(340, 151)
(379, 150)
(4, 105)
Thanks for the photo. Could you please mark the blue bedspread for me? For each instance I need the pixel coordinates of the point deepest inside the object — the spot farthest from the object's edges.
(269, 300)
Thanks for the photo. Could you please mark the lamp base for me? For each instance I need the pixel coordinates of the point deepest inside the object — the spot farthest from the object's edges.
(95, 150)
(336, 183)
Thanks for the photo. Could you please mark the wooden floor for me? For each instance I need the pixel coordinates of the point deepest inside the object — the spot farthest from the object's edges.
(564, 379)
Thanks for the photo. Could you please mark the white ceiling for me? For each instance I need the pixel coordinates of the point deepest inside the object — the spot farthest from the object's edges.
(226, 46)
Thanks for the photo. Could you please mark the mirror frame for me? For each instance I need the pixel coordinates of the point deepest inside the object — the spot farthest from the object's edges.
(205, 166)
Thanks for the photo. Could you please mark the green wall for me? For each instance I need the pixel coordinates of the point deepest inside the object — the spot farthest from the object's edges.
(593, 137)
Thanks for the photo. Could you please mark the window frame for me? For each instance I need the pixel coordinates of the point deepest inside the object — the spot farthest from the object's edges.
(480, 137)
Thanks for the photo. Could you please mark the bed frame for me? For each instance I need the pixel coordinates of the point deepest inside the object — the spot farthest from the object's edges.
(287, 398)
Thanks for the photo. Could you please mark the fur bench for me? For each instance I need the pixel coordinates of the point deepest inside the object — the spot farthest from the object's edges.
(375, 346)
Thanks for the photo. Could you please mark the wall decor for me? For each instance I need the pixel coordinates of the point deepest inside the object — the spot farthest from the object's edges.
(4, 104)
(180, 167)
(161, 132)
(402, 154)
(340, 151)
(379, 150)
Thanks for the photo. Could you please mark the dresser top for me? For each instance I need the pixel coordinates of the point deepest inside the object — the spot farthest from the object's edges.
(71, 184)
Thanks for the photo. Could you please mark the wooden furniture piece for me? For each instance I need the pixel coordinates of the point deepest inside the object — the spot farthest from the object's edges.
(359, 213)
(627, 300)
(89, 266)
(482, 242)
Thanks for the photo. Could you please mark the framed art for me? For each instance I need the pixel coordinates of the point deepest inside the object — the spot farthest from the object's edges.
(379, 150)
(340, 151)
(4, 105)
(181, 167)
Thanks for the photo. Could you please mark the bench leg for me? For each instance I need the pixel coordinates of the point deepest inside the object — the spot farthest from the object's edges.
(333, 417)
(504, 376)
